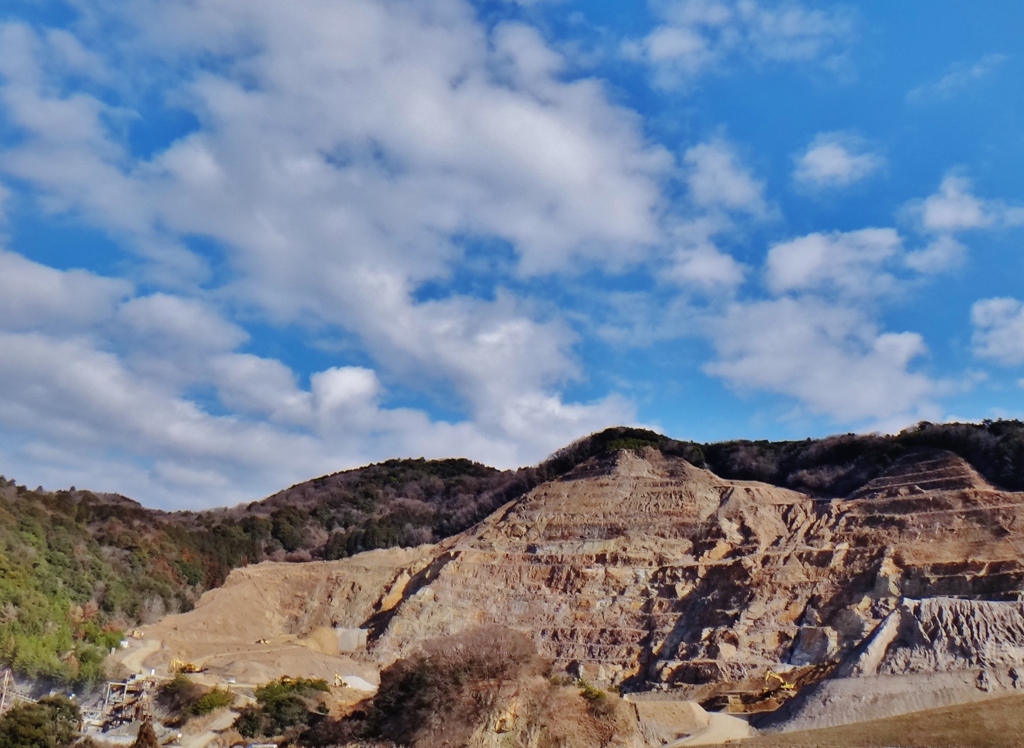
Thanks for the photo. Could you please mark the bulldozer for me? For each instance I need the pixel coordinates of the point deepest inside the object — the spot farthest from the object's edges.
(180, 666)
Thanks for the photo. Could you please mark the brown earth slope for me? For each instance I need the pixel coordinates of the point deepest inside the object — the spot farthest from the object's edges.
(642, 570)
(648, 570)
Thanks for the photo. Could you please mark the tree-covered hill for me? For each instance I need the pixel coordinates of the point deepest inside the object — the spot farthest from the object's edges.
(78, 568)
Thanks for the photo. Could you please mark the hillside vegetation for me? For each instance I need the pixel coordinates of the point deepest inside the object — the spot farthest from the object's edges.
(78, 568)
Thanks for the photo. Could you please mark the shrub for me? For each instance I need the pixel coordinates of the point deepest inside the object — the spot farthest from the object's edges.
(282, 704)
(439, 695)
(601, 704)
(215, 698)
(179, 695)
(51, 723)
(185, 698)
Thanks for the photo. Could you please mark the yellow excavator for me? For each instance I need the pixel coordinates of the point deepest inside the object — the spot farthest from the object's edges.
(180, 666)
(784, 684)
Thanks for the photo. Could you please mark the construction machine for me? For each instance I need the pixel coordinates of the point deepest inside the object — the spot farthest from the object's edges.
(180, 666)
(784, 684)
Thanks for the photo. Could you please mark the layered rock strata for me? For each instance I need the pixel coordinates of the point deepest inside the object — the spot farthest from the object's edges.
(645, 570)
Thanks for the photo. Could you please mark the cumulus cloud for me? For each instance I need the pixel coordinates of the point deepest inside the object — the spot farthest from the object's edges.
(848, 263)
(38, 297)
(169, 323)
(347, 155)
(818, 340)
(960, 77)
(832, 359)
(717, 179)
(835, 160)
(697, 36)
(706, 267)
(955, 208)
(999, 330)
(81, 401)
(941, 254)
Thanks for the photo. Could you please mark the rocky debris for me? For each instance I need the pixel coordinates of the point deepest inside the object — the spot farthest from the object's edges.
(925, 654)
(943, 635)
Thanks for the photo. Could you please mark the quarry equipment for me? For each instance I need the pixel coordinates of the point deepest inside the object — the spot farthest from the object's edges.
(784, 684)
(180, 666)
(9, 695)
(125, 702)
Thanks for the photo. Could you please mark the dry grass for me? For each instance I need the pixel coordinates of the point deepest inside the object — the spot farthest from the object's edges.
(997, 723)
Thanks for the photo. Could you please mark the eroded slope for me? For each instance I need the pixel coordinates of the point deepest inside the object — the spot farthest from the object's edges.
(648, 570)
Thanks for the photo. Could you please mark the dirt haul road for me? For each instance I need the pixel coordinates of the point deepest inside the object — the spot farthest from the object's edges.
(270, 620)
(721, 728)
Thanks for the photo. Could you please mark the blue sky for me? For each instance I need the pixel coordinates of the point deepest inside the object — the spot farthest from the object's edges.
(246, 242)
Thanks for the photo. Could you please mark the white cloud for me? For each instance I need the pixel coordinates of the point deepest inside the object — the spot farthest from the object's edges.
(836, 159)
(698, 36)
(68, 401)
(717, 179)
(942, 253)
(831, 359)
(249, 384)
(819, 341)
(999, 330)
(954, 208)
(167, 323)
(5, 196)
(706, 267)
(958, 78)
(37, 297)
(850, 263)
(344, 157)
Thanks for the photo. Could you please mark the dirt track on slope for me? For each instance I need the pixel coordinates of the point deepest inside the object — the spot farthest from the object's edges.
(996, 723)
(268, 620)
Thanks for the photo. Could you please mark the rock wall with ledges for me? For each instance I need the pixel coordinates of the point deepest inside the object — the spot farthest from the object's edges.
(646, 570)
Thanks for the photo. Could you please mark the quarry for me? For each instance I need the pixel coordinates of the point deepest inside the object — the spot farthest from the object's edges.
(718, 609)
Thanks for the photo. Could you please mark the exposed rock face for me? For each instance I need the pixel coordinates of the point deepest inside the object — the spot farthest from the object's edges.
(943, 635)
(925, 654)
(647, 570)
(643, 570)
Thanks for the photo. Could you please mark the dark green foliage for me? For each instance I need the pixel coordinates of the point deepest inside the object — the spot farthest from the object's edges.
(52, 723)
(215, 698)
(183, 698)
(609, 441)
(601, 704)
(282, 704)
(284, 687)
(53, 577)
(178, 695)
(77, 568)
(833, 466)
(838, 465)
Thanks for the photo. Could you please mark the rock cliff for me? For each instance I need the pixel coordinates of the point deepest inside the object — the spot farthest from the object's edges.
(642, 570)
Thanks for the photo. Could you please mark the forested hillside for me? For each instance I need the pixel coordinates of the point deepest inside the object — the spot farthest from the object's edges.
(77, 568)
